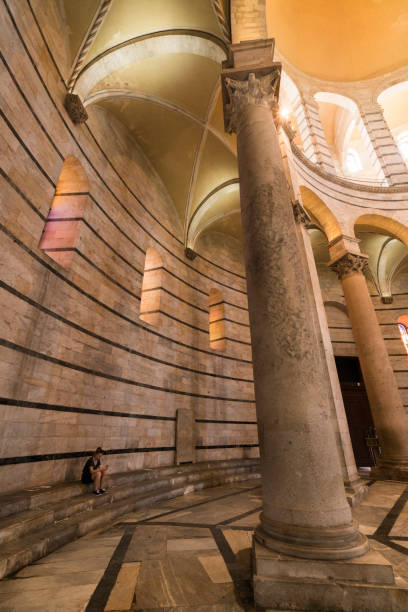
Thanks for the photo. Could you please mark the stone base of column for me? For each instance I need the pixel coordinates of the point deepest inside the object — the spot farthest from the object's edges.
(355, 491)
(323, 543)
(390, 470)
(287, 583)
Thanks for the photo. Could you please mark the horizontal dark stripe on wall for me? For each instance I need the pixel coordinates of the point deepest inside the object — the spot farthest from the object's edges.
(122, 347)
(214, 446)
(100, 177)
(6, 401)
(99, 237)
(22, 195)
(242, 276)
(76, 455)
(225, 421)
(46, 45)
(126, 381)
(53, 268)
(391, 308)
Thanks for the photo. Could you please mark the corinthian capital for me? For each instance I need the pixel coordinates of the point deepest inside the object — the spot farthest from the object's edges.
(259, 90)
(350, 263)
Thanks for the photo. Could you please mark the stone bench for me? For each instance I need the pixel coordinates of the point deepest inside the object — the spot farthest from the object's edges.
(36, 521)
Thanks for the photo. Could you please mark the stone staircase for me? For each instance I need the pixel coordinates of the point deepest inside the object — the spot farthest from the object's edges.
(35, 522)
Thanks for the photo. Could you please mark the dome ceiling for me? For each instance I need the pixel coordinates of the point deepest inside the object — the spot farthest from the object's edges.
(341, 40)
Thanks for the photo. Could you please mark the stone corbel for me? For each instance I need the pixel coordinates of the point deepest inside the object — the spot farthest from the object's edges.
(75, 108)
(190, 254)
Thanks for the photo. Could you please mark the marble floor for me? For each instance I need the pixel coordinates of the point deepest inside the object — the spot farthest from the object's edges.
(187, 554)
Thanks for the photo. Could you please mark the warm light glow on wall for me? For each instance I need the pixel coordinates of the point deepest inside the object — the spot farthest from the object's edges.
(353, 162)
(218, 340)
(404, 335)
(61, 230)
(151, 288)
(402, 141)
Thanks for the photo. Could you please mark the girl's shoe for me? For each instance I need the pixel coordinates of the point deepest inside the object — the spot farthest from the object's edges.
(102, 490)
(97, 492)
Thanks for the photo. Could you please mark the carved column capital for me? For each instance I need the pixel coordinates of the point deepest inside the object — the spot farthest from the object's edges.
(349, 263)
(300, 214)
(240, 89)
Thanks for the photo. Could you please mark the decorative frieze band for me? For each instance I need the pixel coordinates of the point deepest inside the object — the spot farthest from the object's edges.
(350, 263)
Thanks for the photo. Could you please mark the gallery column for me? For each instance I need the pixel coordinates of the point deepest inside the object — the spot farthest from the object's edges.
(383, 143)
(305, 511)
(386, 405)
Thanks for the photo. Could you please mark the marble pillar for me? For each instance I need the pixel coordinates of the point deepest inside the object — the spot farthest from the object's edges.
(354, 486)
(305, 511)
(385, 400)
(307, 553)
(382, 140)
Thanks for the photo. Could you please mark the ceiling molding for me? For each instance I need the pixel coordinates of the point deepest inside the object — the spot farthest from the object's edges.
(222, 18)
(197, 159)
(89, 37)
(144, 38)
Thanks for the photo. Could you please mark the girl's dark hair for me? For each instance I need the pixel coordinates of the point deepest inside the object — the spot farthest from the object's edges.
(98, 450)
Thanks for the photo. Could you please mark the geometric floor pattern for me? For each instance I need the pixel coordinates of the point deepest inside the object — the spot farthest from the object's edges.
(189, 554)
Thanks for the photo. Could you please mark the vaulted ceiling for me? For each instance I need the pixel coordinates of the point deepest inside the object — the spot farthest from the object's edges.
(155, 65)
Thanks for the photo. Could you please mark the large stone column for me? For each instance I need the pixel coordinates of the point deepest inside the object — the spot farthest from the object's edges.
(386, 405)
(305, 508)
(354, 486)
(306, 525)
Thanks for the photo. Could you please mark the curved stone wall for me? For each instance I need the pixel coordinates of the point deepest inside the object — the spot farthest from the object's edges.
(79, 368)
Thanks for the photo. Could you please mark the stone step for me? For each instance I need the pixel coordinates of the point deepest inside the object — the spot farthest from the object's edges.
(43, 538)
(22, 523)
(32, 498)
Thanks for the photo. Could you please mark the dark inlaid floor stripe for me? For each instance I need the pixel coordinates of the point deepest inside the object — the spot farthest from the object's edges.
(101, 594)
(389, 521)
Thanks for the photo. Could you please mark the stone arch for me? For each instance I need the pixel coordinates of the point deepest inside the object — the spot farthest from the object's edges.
(61, 230)
(382, 225)
(150, 300)
(321, 212)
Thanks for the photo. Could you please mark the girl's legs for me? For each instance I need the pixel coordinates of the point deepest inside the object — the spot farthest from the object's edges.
(96, 478)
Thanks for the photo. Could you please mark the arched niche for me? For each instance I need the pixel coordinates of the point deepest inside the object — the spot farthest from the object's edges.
(151, 295)
(61, 230)
(216, 321)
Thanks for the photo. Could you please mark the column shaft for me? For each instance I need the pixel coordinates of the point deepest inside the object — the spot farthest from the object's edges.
(305, 511)
(389, 157)
(385, 400)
